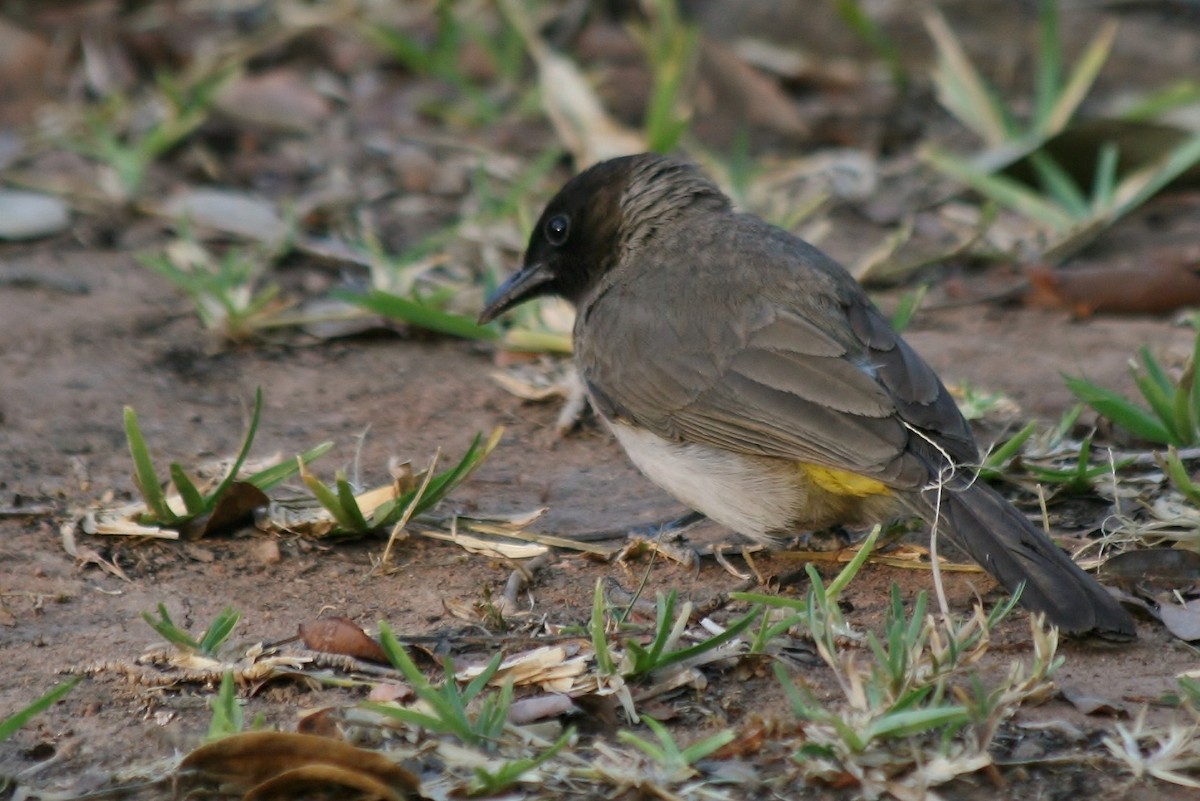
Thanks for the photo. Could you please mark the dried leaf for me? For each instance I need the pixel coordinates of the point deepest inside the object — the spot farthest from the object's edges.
(1172, 567)
(1160, 282)
(339, 635)
(256, 760)
(237, 503)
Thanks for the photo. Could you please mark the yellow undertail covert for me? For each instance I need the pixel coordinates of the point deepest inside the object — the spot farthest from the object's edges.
(842, 482)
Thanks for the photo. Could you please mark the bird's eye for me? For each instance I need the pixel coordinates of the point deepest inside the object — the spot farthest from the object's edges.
(557, 228)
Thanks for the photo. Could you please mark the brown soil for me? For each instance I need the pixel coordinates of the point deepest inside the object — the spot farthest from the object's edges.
(71, 362)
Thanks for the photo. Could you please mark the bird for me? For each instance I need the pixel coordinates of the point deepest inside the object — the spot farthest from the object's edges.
(750, 376)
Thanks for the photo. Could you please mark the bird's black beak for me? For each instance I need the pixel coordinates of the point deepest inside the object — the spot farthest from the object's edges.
(526, 283)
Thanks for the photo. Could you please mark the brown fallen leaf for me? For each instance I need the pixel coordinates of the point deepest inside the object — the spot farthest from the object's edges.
(290, 783)
(236, 504)
(339, 635)
(262, 762)
(1164, 568)
(1165, 280)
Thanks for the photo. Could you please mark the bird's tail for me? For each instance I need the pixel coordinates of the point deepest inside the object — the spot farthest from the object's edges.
(1007, 545)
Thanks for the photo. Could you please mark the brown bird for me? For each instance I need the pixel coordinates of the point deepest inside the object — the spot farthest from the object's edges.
(749, 375)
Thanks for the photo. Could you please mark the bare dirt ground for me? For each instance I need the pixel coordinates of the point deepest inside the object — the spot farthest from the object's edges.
(98, 332)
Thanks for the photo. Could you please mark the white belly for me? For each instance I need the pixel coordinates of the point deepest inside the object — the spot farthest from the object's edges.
(754, 496)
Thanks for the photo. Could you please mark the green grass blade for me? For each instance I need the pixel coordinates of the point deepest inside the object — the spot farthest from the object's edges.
(867, 29)
(242, 454)
(1160, 403)
(420, 315)
(1136, 420)
(1080, 81)
(1144, 184)
(475, 687)
(22, 716)
(1059, 185)
(1191, 375)
(441, 485)
(1104, 179)
(1180, 478)
(852, 567)
(270, 477)
(349, 504)
(916, 721)
(1178, 94)
(170, 632)
(1182, 420)
(712, 643)
(962, 90)
(219, 630)
(347, 519)
(193, 501)
(663, 624)
(227, 718)
(1154, 370)
(144, 475)
(1049, 66)
(1002, 189)
(992, 466)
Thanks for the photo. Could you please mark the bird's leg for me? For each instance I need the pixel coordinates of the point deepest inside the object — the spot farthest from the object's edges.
(656, 537)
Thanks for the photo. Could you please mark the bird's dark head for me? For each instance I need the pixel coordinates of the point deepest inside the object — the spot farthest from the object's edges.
(595, 219)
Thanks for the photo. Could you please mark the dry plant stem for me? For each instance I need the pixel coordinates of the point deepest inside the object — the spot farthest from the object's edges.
(408, 512)
(939, 589)
(522, 576)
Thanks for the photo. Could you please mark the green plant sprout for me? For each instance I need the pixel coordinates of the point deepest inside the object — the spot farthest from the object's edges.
(874, 36)
(1075, 479)
(196, 503)
(676, 762)
(669, 44)
(440, 58)
(489, 783)
(340, 501)
(409, 288)
(1179, 476)
(1172, 413)
(1070, 214)
(130, 154)
(447, 705)
(916, 691)
(223, 290)
(227, 717)
(209, 643)
(663, 651)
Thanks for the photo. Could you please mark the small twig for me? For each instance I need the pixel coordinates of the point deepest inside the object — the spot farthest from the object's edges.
(522, 576)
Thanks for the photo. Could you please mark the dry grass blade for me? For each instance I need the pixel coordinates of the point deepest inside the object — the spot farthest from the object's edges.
(402, 523)
(962, 89)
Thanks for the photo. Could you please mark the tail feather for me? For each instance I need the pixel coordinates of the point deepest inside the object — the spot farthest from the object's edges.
(1009, 547)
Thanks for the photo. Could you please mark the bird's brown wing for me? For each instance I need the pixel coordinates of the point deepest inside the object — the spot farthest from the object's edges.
(789, 359)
